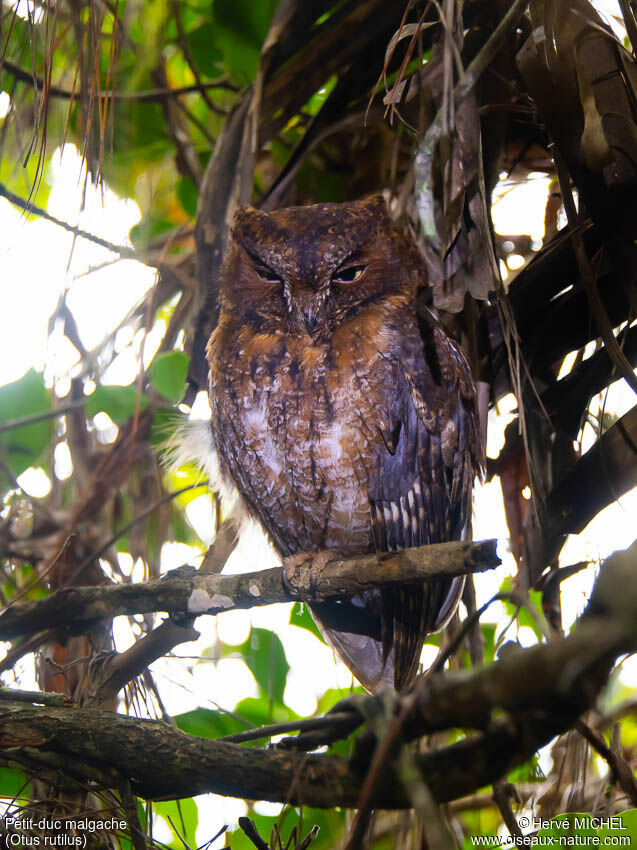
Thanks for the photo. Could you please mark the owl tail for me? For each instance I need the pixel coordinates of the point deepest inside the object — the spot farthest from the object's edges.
(352, 628)
(409, 614)
(379, 634)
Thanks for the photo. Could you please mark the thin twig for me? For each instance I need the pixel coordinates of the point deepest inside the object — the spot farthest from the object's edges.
(37, 697)
(28, 207)
(168, 497)
(338, 720)
(621, 770)
(155, 95)
(502, 793)
(21, 421)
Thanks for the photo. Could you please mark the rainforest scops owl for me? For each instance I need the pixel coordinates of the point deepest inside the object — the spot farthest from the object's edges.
(345, 418)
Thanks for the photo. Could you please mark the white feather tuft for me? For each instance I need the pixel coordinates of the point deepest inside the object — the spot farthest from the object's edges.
(191, 443)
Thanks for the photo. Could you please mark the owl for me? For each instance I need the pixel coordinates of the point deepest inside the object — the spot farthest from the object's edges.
(345, 417)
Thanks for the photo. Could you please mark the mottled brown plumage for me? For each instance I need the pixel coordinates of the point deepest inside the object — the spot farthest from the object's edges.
(346, 422)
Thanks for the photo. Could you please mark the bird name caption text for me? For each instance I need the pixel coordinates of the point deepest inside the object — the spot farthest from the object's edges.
(22, 829)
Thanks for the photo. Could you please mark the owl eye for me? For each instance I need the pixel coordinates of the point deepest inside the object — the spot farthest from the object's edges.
(349, 274)
(268, 275)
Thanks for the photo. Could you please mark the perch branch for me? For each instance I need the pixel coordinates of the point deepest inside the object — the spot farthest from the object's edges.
(310, 581)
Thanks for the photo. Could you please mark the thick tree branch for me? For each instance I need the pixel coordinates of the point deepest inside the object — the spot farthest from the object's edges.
(313, 580)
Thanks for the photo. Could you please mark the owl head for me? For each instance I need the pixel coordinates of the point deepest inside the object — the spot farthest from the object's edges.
(305, 270)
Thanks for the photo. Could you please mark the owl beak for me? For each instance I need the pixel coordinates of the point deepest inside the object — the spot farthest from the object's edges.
(310, 319)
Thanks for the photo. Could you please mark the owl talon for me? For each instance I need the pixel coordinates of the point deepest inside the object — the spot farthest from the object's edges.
(300, 570)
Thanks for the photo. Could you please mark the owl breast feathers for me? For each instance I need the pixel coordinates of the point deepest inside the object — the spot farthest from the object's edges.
(346, 420)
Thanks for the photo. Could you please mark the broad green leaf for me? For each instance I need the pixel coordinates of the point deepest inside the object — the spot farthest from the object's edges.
(119, 402)
(524, 618)
(259, 711)
(148, 229)
(188, 194)
(238, 840)
(624, 825)
(242, 26)
(205, 723)
(530, 771)
(331, 824)
(264, 655)
(301, 617)
(481, 822)
(12, 782)
(246, 18)
(22, 180)
(488, 631)
(322, 185)
(571, 824)
(21, 447)
(207, 56)
(168, 373)
(182, 816)
(334, 695)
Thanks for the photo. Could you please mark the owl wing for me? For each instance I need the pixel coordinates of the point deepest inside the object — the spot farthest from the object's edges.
(421, 483)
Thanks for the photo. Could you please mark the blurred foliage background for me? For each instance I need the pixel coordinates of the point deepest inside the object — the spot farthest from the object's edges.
(192, 107)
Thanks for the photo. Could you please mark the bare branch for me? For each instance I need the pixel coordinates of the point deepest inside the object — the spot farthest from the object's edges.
(127, 665)
(311, 581)
(28, 207)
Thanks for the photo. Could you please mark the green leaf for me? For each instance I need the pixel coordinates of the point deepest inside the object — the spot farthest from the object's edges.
(264, 825)
(168, 373)
(12, 782)
(188, 194)
(334, 695)
(264, 655)
(245, 18)
(524, 618)
(570, 824)
(118, 402)
(242, 26)
(331, 824)
(488, 636)
(259, 711)
(300, 616)
(530, 771)
(148, 229)
(21, 447)
(182, 817)
(205, 723)
(202, 42)
(624, 825)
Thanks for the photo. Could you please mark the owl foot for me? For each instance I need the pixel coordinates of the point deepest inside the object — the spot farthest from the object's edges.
(300, 570)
